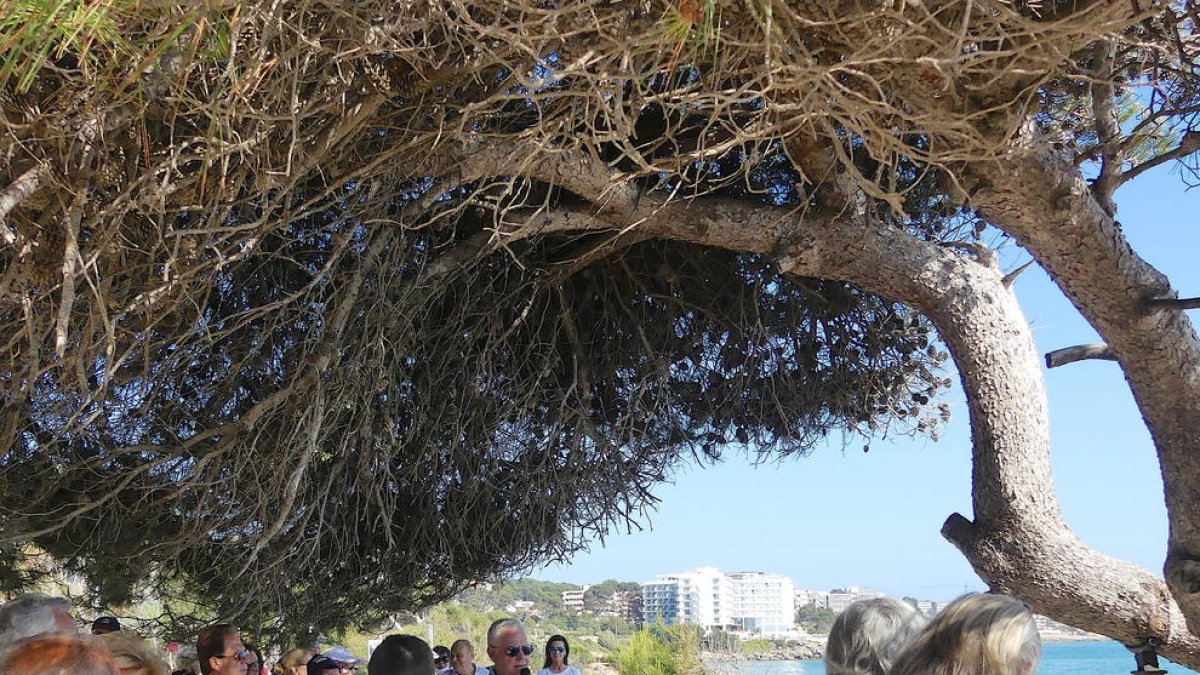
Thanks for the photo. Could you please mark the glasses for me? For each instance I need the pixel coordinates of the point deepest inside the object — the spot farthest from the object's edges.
(557, 650)
(512, 651)
(240, 656)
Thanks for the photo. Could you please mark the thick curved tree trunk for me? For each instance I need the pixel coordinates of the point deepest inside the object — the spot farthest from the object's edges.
(1017, 540)
(1040, 198)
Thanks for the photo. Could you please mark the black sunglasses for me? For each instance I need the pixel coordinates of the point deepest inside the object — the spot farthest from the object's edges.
(523, 649)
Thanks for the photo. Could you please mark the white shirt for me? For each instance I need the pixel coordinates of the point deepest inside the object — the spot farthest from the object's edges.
(571, 670)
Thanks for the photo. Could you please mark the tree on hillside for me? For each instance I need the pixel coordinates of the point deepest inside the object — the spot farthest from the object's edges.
(387, 299)
(814, 618)
(604, 594)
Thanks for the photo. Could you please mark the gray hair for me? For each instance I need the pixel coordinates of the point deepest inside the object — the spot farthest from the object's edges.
(30, 614)
(977, 634)
(501, 624)
(868, 636)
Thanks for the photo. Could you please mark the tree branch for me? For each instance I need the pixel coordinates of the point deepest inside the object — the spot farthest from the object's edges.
(14, 194)
(1189, 144)
(1061, 357)
(1108, 130)
(1173, 303)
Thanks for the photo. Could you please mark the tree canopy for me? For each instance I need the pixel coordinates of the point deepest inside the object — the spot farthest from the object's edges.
(356, 305)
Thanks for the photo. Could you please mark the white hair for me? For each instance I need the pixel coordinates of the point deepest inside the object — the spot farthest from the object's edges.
(976, 634)
(502, 624)
(868, 636)
(30, 614)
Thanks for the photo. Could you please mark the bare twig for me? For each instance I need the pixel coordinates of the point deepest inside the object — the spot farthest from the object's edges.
(1061, 357)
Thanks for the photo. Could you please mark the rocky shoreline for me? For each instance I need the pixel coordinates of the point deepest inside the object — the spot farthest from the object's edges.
(797, 652)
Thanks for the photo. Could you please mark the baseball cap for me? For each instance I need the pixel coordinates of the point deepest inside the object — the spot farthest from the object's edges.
(440, 652)
(320, 663)
(341, 655)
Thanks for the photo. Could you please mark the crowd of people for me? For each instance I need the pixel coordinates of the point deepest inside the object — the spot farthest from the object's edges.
(38, 636)
(977, 634)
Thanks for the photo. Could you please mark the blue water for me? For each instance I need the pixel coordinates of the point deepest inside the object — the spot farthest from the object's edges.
(1059, 658)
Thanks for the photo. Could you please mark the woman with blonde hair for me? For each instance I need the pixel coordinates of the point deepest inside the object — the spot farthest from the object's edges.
(868, 636)
(977, 634)
(294, 662)
(133, 655)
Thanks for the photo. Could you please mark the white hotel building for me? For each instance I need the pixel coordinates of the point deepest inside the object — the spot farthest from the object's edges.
(745, 602)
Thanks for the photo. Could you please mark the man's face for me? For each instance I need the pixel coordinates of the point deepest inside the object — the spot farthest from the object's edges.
(462, 660)
(507, 653)
(234, 659)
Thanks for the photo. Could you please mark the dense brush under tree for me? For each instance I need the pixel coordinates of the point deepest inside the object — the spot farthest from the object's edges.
(314, 313)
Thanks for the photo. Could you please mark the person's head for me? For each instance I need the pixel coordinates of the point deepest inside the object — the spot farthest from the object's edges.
(261, 664)
(868, 636)
(294, 662)
(105, 624)
(558, 651)
(133, 655)
(441, 657)
(462, 657)
(401, 655)
(31, 614)
(977, 634)
(508, 646)
(346, 661)
(57, 654)
(220, 651)
(323, 665)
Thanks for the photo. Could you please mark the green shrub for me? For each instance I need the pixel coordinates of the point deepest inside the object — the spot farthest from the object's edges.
(659, 650)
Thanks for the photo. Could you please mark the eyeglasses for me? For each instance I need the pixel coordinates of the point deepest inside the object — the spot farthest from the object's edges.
(240, 656)
(514, 650)
(557, 650)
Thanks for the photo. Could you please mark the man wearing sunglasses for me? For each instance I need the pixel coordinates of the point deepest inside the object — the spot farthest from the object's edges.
(508, 647)
(221, 652)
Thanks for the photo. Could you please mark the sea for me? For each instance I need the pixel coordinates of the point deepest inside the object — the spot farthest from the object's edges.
(1058, 658)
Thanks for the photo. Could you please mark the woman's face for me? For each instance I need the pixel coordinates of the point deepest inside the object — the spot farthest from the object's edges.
(558, 652)
(462, 660)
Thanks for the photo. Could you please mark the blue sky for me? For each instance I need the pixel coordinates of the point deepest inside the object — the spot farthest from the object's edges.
(840, 517)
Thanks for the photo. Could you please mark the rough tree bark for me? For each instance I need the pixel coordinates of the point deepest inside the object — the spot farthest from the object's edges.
(1040, 198)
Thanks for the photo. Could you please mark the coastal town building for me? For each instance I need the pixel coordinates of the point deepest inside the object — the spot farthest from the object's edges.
(805, 597)
(625, 604)
(839, 599)
(573, 599)
(762, 603)
(745, 602)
